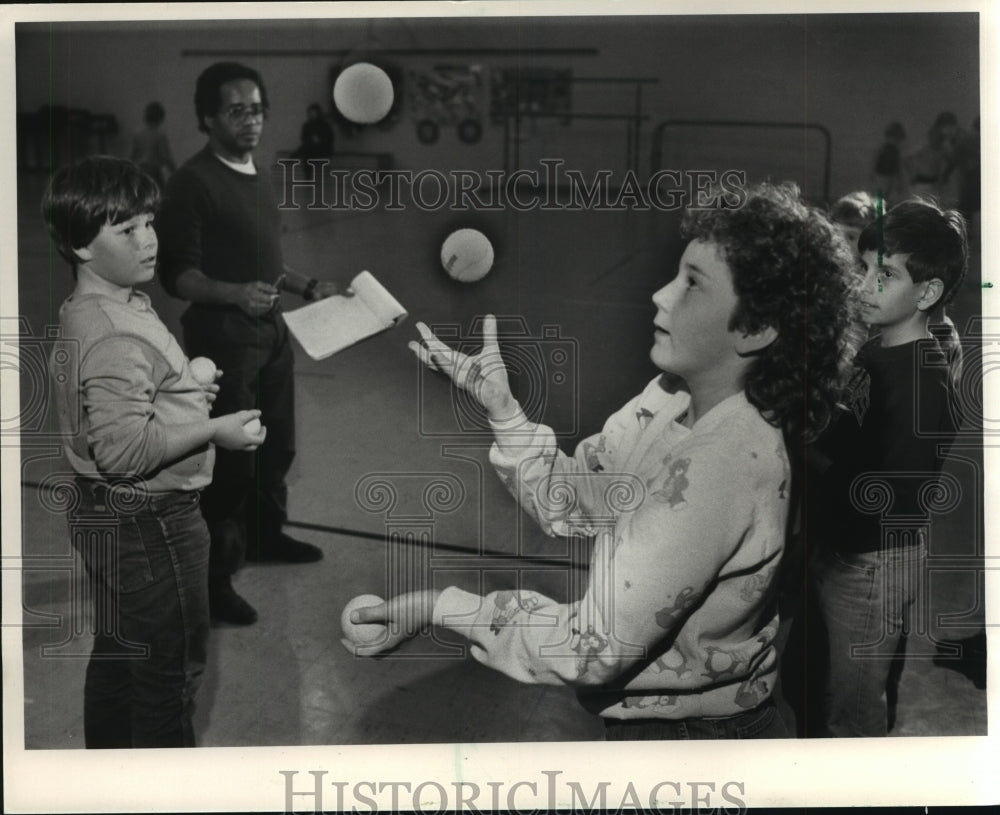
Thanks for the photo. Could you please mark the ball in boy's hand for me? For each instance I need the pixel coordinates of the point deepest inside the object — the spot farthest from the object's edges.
(203, 370)
(362, 633)
(252, 427)
(363, 93)
(467, 255)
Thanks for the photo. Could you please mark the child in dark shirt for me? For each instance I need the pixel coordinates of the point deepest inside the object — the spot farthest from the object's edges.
(867, 507)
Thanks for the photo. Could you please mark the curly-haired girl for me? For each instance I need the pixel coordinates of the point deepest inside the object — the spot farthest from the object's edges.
(686, 492)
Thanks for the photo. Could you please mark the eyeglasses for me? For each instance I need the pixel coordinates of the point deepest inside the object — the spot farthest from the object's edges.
(238, 114)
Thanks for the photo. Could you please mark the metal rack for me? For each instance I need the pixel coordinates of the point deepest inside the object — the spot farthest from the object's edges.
(513, 118)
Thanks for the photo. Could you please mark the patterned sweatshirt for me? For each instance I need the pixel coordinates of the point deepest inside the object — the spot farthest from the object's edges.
(678, 617)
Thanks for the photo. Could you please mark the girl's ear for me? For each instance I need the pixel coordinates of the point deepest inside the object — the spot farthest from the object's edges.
(933, 289)
(752, 343)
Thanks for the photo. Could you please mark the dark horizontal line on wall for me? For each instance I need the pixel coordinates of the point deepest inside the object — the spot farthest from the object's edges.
(391, 52)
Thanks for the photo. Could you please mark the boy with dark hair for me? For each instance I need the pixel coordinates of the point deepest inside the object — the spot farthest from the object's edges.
(875, 469)
(687, 492)
(143, 453)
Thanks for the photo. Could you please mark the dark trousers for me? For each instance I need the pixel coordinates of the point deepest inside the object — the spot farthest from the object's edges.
(246, 504)
(147, 569)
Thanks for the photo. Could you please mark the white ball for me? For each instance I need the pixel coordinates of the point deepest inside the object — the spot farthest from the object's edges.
(203, 370)
(252, 427)
(467, 255)
(363, 93)
(362, 633)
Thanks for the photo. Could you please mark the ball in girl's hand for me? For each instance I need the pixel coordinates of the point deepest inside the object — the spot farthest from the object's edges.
(203, 370)
(362, 633)
(252, 427)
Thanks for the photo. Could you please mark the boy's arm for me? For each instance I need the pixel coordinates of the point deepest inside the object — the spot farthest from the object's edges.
(227, 431)
(118, 384)
(117, 387)
(648, 574)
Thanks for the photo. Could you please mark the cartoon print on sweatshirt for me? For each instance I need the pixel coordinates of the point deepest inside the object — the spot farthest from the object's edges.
(590, 452)
(663, 702)
(752, 692)
(644, 416)
(756, 584)
(587, 645)
(672, 491)
(721, 664)
(508, 605)
(668, 616)
(672, 661)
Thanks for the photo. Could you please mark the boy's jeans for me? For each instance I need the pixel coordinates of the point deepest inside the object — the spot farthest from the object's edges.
(865, 602)
(147, 563)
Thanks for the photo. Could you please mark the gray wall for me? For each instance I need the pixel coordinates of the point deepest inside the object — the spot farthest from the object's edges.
(851, 73)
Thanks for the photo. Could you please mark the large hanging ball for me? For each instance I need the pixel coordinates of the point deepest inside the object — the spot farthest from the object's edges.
(467, 255)
(363, 93)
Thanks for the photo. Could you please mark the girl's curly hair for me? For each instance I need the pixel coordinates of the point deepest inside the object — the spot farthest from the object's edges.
(793, 271)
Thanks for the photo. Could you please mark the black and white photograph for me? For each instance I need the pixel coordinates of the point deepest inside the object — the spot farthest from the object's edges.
(498, 406)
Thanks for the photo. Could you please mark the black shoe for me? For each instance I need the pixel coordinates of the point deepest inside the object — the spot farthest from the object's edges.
(226, 606)
(286, 550)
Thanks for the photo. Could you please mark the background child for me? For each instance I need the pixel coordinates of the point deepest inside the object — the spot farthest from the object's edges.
(865, 578)
(888, 176)
(928, 168)
(151, 148)
(142, 453)
(316, 137)
(852, 213)
(674, 636)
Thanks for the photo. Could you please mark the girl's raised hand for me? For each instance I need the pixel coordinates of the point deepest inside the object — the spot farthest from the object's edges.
(482, 375)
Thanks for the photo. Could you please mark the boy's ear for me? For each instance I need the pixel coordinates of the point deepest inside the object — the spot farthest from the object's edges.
(747, 344)
(933, 289)
(82, 253)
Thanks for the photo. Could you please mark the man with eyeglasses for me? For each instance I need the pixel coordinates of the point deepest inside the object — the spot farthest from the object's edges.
(220, 248)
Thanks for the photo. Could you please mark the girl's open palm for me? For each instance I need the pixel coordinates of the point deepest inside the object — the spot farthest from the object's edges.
(482, 375)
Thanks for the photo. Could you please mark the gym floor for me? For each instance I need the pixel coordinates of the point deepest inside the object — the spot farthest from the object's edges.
(392, 480)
